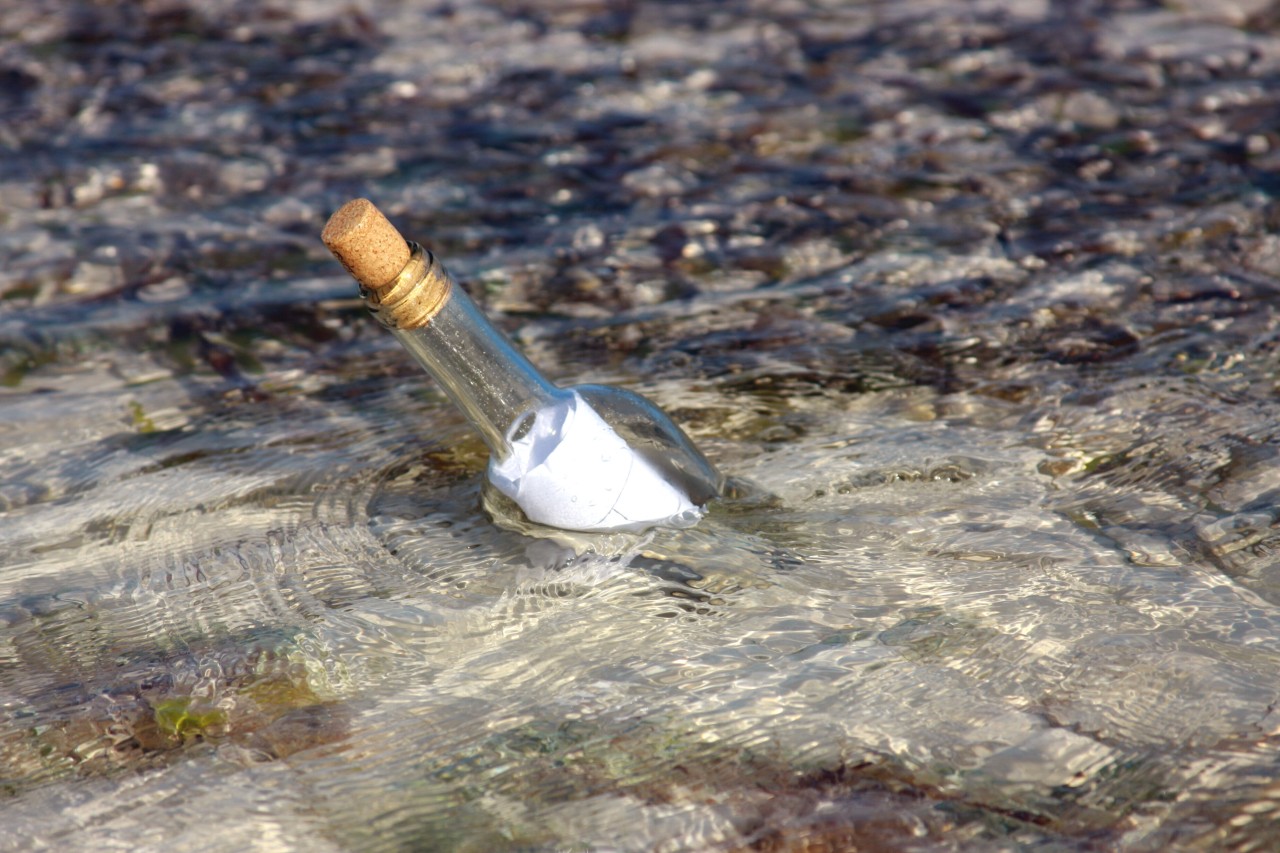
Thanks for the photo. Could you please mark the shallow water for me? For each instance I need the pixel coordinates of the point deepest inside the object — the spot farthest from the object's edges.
(976, 301)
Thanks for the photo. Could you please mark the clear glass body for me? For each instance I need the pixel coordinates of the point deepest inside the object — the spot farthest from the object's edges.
(517, 410)
(657, 439)
(481, 370)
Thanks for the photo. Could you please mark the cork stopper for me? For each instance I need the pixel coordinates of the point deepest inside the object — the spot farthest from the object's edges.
(401, 282)
(364, 242)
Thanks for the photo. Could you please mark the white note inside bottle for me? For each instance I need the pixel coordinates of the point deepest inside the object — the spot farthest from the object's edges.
(572, 470)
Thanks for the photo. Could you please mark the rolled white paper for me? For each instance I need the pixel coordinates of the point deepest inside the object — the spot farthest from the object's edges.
(572, 470)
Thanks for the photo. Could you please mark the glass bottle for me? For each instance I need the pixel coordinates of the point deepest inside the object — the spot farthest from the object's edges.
(587, 458)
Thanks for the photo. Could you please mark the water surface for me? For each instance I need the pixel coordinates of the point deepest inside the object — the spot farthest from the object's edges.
(978, 301)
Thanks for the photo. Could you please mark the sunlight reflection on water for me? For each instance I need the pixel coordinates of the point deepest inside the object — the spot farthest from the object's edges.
(908, 615)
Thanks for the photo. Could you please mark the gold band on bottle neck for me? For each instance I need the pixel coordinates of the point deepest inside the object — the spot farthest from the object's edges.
(412, 298)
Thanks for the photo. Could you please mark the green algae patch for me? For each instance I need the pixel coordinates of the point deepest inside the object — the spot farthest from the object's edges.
(178, 717)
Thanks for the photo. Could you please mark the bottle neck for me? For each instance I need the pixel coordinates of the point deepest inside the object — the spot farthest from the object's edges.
(476, 364)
